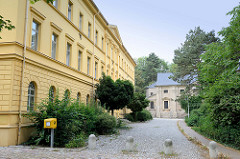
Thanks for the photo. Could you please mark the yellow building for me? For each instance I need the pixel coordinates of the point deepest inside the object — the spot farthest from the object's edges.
(65, 46)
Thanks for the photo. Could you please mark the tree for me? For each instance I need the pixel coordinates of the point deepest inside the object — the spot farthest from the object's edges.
(187, 57)
(114, 95)
(146, 71)
(138, 103)
(218, 77)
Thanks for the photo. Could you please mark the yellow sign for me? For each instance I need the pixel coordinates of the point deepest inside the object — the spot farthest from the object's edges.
(50, 123)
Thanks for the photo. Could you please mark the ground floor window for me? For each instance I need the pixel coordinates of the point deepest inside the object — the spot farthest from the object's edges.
(31, 97)
(165, 104)
(152, 105)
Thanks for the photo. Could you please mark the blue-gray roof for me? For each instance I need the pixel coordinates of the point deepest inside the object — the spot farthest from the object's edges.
(163, 80)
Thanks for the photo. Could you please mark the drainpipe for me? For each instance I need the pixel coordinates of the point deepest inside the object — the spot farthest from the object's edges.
(94, 44)
(22, 75)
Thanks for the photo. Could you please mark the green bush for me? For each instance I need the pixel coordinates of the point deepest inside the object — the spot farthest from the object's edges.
(105, 124)
(144, 115)
(73, 120)
(129, 117)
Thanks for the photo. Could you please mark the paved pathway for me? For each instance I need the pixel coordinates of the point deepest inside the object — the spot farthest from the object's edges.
(148, 137)
(233, 154)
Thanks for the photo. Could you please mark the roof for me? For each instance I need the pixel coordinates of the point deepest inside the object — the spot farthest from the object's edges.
(164, 80)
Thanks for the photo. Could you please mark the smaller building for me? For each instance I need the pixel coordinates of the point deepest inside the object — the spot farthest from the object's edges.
(163, 95)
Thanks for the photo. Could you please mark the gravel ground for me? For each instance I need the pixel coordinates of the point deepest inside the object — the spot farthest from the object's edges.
(148, 140)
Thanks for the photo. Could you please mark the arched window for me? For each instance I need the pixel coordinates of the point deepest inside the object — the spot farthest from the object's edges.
(87, 100)
(51, 93)
(67, 94)
(31, 97)
(79, 96)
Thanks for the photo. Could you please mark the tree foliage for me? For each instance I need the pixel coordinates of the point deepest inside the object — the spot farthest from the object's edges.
(187, 57)
(138, 102)
(114, 95)
(146, 71)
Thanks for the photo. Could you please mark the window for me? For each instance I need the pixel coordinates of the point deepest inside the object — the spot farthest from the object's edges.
(165, 91)
(181, 90)
(79, 60)
(51, 93)
(102, 42)
(165, 104)
(69, 10)
(79, 96)
(152, 105)
(68, 54)
(87, 99)
(55, 3)
(54, 45)
(151, 93)
(67, 94)
(35, 33)
(80, 21)
(89, 30)
(96, 69)
(96, 37)
(31, 97)
(106, 49)
(88, 65)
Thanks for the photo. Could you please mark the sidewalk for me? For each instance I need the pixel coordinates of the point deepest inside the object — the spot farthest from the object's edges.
(232, 153)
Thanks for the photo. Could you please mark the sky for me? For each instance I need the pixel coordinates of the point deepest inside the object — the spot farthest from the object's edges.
(160, 26)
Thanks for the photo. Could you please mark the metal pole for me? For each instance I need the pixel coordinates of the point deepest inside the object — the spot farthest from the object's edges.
(52, 138)
(188, 106)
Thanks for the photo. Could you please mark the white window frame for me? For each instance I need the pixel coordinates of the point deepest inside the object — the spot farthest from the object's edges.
(68, 54)
(70, 10)
(54, 46)
(34, 44)
(31, 96)
(79, 60)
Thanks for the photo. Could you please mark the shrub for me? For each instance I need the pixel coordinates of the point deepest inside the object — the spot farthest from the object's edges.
(105, 124)
(144, 115)
(129, 117)
(78, 141)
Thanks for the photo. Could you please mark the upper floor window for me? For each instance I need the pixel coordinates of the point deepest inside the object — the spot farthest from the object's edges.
(69, 10)
(54, 45)
(68, 54)
(152, 105)
(79, 60)
(165, 91)
(102, 42)
(88, 65)
(80, 21)
(35, 35)
(151, 93)
(89, 30)
(31, 97)
(96, 37)
(55, 3)
(96, 64)
(181, 90)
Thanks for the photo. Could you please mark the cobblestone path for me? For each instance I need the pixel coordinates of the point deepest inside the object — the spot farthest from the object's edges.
(148, 139)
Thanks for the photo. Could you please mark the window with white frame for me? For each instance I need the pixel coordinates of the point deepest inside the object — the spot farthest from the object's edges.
(88, 65)
(31, 97)
(54, 45)
(35, 35)
(165, 104)
(96, 64)
(79, 60)
(55, 3)
(89, 30)
(69, 10)
(80, 21)
(68, 54)
(96, 37)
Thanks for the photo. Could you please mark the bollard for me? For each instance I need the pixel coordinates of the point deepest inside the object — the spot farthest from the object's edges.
(130, 144)
(168, 147)
(92, 142)
(213, 150)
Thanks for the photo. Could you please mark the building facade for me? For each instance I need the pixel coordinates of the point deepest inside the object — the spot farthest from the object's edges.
(162, 95)
(63, 46)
